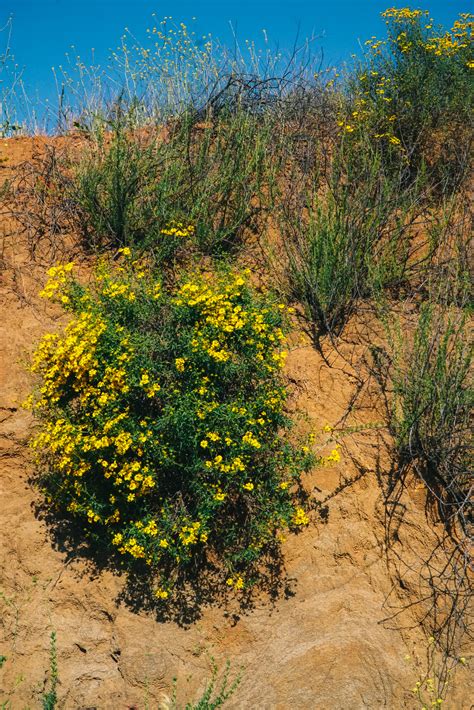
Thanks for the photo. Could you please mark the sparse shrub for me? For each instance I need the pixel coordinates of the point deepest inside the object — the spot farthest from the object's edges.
(349, 242)
(449, 265)
(434, 685)
(162, 420)
(432, 405)
(108, 190)
(211, 174)
(215, 173)
(413, 94)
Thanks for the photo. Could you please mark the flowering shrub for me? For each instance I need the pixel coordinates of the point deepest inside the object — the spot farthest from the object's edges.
(161, 416)
(413, 93)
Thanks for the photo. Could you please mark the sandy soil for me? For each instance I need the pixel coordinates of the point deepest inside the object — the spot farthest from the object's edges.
(346, 636)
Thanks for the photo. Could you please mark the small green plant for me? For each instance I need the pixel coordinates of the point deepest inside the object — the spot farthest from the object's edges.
(163, 423)
(50, 698)
(215, 694)
(433, 686)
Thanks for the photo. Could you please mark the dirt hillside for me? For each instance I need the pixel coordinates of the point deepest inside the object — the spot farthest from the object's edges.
(346, 632)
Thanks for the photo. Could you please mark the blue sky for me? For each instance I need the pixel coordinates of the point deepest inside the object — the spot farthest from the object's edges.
(44, 30)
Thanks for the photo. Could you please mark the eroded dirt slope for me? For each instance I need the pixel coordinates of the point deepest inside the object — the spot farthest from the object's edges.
(339, 640)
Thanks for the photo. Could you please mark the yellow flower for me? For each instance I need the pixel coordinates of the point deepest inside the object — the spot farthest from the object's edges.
(334, 456)
(179, 363)
(251, 440)
(151, 391)
(178, 229)
(300, 517)
(248, 486)
(403, 13)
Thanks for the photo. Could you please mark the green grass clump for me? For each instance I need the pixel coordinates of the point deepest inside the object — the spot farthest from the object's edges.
(162, 420)
(349, 243)
(211, 174)
(432, 408)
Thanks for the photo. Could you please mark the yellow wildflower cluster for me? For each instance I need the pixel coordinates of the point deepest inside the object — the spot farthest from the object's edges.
(115, 289)
(190, 534)
(375, 45)
(180, 363)
(367, 104)
(347, 127)
(391, 86)
(446, 45)
(71, 359)
(458, 38)
(300, 517)
(333, 457)
(152, 437)
(404, 44)
(249, 439)
(133, 548)
(220, 309)
(151, 388)
(58, 277)
(237, 583)
(178, 229)
(403, 14)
